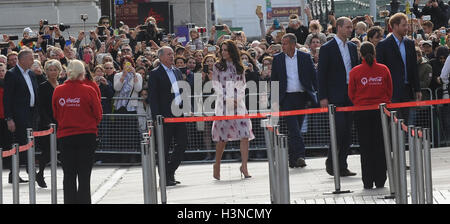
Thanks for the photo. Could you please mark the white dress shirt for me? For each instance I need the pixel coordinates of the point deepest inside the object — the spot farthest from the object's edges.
(345, 52)
(293, 81)
(27, 78)
(173, 80)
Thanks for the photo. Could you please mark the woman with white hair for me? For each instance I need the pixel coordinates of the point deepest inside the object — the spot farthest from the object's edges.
(78, 112)
(52, 69)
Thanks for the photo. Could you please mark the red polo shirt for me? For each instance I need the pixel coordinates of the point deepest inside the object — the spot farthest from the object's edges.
(76, 108)
(370, 85)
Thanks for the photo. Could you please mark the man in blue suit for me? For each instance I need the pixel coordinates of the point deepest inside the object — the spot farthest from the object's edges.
(296, 74)
(398, 53)
(20, 100)
(336, 58)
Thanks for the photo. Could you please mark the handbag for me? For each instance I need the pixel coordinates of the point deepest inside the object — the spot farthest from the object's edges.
(123, 109)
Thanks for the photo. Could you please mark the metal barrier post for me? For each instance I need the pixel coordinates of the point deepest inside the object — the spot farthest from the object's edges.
(395, 156)
(276, 146)
(161, 159)
(15, 174)
(412, 164)
(427, 160)
(270, 151)
(31, 168)
(284, 171)
(1, 176)
(144, 155)
(402, 164)
(419, 164)
(53, 163)
(334, 150)
(152, 164)
(387, 151)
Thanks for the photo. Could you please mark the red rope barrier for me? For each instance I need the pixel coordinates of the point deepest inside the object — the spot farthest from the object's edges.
(387, 112)
(24, 148)
(43, 133)
(8, 153)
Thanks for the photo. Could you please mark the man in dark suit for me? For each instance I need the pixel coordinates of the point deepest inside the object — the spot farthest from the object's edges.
(20, 100)
(295, 72)
(163, 93)
(398, 53)
(336, 58)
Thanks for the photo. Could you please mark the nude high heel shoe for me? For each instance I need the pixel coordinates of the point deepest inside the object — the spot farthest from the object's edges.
(244, 174)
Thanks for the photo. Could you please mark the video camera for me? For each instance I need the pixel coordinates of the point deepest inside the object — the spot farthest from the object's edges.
(63, 27)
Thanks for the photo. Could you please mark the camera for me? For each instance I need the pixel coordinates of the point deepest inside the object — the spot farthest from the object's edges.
(219, 27)
(45, 22)
(15, 37)
(101, 30)
(84, 17)
(51, 27)
(4, 45)
(102, 38)
(121, 23)
(63, 27)
(205, 69)
(253, 54)
(125, 41)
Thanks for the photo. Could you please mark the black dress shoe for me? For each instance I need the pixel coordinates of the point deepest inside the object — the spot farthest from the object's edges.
(368, 187)
(20, 179)
(300, 162)
(170, 183)
(329, 171)
(40, 180)
(172, 178)
(347, 173)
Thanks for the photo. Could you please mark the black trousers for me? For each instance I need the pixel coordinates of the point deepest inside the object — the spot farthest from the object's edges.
(177, 132)
(77, 161)
(344, 121)
(373, 160)
(295, 101)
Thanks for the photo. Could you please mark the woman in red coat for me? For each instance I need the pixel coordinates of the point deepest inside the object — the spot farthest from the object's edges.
(370, 84)
(78, 111)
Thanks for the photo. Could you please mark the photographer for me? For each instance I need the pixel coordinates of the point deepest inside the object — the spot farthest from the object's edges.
(195, 40)
(149, 31)
(437, 9)
(106, 22)
(296, 27)
(46, 38)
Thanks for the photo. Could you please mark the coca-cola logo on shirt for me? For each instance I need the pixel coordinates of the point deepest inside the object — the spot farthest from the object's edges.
(372, 81)
(69, 102)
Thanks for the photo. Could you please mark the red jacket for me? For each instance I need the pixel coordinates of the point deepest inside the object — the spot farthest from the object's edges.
(370, 85)
(76, 108)
(2, 111)
(93, 85)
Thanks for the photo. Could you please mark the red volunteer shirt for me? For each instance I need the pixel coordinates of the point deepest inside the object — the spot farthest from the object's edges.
(369, 85)
(76, 108)
(93, 85)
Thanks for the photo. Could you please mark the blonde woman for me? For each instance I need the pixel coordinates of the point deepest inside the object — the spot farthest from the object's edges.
(78, 112)
(52, 69)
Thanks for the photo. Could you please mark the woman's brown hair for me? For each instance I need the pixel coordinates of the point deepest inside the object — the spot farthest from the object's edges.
(368, 52)
(234, 55)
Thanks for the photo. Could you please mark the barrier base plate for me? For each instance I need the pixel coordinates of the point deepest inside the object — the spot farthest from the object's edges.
(338, 192)
(392, 196)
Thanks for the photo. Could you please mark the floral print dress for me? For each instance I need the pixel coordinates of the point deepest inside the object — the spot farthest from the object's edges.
(230, 88)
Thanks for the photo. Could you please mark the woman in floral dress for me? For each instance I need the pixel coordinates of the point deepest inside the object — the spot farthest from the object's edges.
(229, 85)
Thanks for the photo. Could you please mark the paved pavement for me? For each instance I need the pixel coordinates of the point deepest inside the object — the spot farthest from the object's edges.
(309, 185)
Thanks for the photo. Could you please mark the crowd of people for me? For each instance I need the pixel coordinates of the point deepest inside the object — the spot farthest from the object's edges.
(350, 61)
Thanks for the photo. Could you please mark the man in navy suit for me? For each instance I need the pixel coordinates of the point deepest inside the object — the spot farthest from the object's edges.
(163, 90)
(296, 74)
(20, 100)
(398, 53)
(336, 58)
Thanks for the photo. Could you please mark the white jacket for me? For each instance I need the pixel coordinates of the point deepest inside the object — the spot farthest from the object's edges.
(137, 88)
